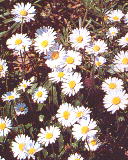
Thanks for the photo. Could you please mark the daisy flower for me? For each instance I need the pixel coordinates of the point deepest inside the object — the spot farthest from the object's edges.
(9, 96)
(21, 109)
(32, 148)
(80, 38)
(24, 84)
(72, 84)
(115, 15)
(19, 146)
(112, 32)
(19, 43)
(99, 61)
(75, 157)
(97, 47)
(23, 12)
(66, 115)
(5, 126)
(115, 100)
(84, 129)
(112, 84)
(45, 39)
(123, 41)
(48, 136)
(121, 62)
(55, 56)
(40, 95)
(92, 144)
(71, 60)
(126, 18)
(3, 68)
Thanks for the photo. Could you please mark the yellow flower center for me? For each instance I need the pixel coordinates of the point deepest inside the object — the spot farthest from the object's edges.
(77, 159)
(55, 55)
(84, 130)
(48, 135)
(112, 85)
(116, 100)
(39, 94)
(18, 41)
(44, 43)
(98, 63)
(115, 18)
(11, 97)
(125, 61)
(1, 68)
(79, 114)
(31, 151)
(126, 39)
(72, 84)
(60, 74)
(79, 39)
(96, 48)
(2, 126)
(105, 18)
(21, 109)
(112, 33)
(93, 142)
(70, 60)
(23, 13)
(66, 115)
(24, 85)
(21, 146)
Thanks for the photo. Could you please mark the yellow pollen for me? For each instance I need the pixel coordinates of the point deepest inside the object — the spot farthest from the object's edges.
(96, 48)
(70, 60)
(112, 33)
(126, 39)
(44, 43)
(23, 13)
(21, 109)
(125, 61)
(115, 18)
(60, 74)
(55, 55)
(77, 159)
(48, 135)
(21, 146)
(72, 84)
(116, 100)
(79, 114)
(1, 68)
(39, 94)
(18, 41)
(66, 115)
(79, 39)
(2, 126)
(31, 151)
(11, 97)
(98, 63)
(24, 85)
(84, 130)
(93, 142)
(112, 85)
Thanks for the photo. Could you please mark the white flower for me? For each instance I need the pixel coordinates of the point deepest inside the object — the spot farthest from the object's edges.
(66, 115)
(19, 146)
(45, 39)
(48, 136)
(19, 43)
(10, 96)
(23, 12)
(72, 84)
(71, 60)
(31, 148)
(121, 62)
(126, 18)
(55, 56)
(123, 41)
(21, 109)
(24, 84)
(75, 157)
(112, 32)
(115, 15)
(1, 158)
(115, 100)
(99, 61)
(112, 84)
(5, 126)
(84, 129)
(80, 38)
(40, 95)
(92, 144)
(3, 68)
